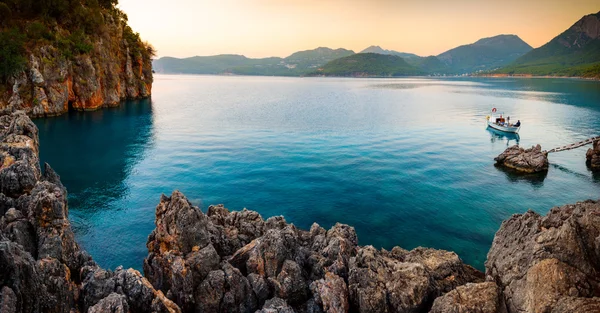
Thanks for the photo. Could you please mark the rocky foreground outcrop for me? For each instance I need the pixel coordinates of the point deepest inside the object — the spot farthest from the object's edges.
(532, 160)
(593, 156)
(551, 263)
(223, 261)
(42, 268)
(226, 261)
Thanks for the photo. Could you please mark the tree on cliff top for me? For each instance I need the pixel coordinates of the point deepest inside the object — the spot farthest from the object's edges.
(11, 53)
(70, 25)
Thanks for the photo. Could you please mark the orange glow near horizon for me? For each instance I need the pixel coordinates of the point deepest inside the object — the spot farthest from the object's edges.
(263, 28)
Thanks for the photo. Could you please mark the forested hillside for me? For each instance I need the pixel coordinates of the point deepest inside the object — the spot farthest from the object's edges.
(61, 54)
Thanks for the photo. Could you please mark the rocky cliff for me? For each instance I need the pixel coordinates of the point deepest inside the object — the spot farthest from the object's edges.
(65, 69)
(42, 268)
(223, 261)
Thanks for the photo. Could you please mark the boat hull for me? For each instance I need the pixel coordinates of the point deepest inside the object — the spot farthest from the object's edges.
(506, 129)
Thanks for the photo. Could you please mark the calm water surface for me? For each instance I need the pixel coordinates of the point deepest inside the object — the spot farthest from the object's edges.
(407, 162)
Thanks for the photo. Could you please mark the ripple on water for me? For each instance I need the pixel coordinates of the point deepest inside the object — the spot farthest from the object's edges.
(405, 161)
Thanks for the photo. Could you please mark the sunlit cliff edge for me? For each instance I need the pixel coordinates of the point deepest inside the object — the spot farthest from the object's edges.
(78, 56)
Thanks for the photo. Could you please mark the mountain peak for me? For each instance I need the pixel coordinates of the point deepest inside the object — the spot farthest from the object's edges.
(575, 52)
(485, 54)
(503, 40)
(588, 25)
(379, 50)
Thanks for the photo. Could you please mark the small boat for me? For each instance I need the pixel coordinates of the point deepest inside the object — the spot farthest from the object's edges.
(502, 124)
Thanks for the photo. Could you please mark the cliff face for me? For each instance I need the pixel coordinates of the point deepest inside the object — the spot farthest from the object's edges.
(52, 84)
(222, 261)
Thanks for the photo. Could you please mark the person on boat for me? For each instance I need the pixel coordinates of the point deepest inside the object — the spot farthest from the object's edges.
(518, 123)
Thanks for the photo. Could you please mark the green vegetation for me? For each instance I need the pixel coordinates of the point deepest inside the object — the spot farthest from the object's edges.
(309, 60)
(369, 64)
(485, 54)
(297, 64)
(69, 25)
(572, 53)
(408, 57)
(11, 53)
(74, 44)
(431, 65)
(5, 13)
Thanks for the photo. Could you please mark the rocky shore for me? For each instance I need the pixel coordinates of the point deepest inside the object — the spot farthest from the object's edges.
(224, 261)
(532, 160)
(593, 157)
(42, 268)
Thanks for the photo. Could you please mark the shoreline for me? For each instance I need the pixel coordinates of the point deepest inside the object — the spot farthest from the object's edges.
(391, 77)
(536, 76)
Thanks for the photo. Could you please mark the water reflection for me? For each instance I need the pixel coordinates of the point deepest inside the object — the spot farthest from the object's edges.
(577, 92)
(596, 176)
(497, 136)
(569, 171)
(101, 148)
(405, 167)
(535, 179)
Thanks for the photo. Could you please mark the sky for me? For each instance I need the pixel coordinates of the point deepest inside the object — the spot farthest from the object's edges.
(264, 28)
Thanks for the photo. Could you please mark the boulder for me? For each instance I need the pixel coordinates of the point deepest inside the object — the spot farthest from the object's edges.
(99, 284)
(276, 305)
(8, 300)
(479, 298)
(331, 293)
(531, 160)
(537, 261)
(19, 162)
(579, 305)
(114, 303)
(593, 157)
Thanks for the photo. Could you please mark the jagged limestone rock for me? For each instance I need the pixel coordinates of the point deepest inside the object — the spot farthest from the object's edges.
(592, 156)
(263, 263)
(42, 268)
(537, 261)
(532, 160)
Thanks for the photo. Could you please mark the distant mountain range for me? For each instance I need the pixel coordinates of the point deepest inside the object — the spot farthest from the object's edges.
(575, 52)
(297, 64)
(485, 54)
(368, 64)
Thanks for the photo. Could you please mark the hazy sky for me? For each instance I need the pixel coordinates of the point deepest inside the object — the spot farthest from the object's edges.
(262, 28)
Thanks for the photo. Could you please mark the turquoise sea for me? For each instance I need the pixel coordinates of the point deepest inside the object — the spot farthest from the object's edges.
(407, 162)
